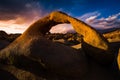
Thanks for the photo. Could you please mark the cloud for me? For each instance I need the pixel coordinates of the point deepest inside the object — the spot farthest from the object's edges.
(18, 15)
(104, 23)
(91, 19)
(89, 15)
(11, 9)
(10, 26)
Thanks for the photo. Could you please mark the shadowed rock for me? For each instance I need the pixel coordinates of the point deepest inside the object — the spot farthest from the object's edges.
(3, 44)
(54, 57)
(3, 35)
(3, 39)
(32, 47)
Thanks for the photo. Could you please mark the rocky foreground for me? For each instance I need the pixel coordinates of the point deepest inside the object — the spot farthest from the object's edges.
(38, 55)
(68, 39)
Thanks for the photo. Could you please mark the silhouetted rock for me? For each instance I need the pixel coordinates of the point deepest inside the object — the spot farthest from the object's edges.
(12, 37)
(3, 35)
(3, 39)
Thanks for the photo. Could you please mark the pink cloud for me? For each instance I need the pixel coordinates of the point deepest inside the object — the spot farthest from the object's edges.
(104, 23)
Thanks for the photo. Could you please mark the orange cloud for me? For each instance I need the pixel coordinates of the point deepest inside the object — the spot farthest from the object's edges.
(20, 23)
(11, 26)
(20, 20)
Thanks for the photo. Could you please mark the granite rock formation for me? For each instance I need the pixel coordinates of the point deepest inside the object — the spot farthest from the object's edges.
(34, 54)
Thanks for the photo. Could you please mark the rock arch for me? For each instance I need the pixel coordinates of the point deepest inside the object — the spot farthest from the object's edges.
(32, 46)
(94, 43)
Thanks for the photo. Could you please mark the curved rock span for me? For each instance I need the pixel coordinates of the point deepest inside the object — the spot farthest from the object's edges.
(32, 50)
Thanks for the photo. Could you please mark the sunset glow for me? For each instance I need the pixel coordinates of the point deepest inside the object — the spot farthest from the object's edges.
(16, 15)
(12, 26)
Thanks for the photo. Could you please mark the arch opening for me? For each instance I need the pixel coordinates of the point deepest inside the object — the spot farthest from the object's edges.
(62, 28)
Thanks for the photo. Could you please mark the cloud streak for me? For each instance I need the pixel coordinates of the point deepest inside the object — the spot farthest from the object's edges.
(104, 23)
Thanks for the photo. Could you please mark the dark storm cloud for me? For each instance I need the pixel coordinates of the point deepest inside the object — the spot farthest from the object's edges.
(9, 9)
(62, 5)
(14, 5)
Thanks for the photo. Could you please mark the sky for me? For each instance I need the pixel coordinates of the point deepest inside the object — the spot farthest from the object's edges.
(17, 15)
